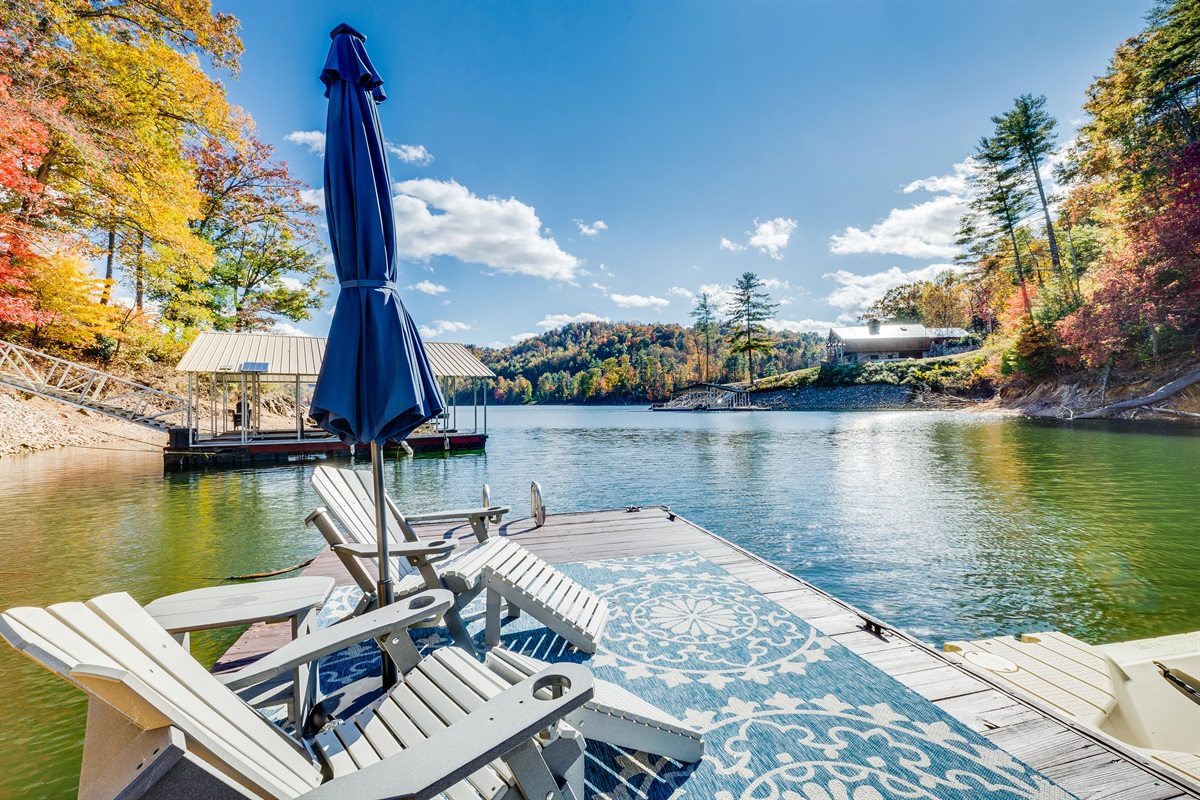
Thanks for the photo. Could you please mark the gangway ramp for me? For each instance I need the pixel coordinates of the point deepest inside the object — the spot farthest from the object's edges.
(44, 375)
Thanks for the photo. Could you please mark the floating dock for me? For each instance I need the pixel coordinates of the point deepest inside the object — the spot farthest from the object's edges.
(1089, 767)
(235, 453)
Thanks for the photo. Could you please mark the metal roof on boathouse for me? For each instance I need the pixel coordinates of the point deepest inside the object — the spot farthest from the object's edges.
(302, 355)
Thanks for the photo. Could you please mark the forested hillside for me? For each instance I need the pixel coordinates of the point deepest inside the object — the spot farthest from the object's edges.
(627, 362)
(1103, 274)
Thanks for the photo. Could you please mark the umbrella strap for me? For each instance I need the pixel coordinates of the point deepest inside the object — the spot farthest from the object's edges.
(370, 285)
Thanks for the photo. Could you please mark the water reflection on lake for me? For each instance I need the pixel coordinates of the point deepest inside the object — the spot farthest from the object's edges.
(948, 525)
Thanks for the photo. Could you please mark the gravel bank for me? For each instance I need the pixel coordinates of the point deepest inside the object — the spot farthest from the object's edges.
(842, 398)
(30, 424)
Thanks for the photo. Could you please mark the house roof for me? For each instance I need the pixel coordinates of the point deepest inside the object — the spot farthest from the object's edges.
(302, 355)
(907, 330)
(900, 337)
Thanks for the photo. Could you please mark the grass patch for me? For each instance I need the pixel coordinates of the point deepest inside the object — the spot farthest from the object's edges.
(950, 373)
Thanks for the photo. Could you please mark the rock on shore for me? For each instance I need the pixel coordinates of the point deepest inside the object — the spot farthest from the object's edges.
(30, 424)
(841, 398)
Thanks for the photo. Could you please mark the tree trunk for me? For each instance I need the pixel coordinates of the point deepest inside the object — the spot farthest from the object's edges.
(1172, 388)
(138, 285)
(1020, 271)
(1037, 178)
(108, 268)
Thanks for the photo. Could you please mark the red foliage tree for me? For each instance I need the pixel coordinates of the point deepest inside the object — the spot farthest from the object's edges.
(1150, 284)
(22, 144)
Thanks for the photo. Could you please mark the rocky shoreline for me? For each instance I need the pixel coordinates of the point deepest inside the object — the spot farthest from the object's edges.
(842, 398)
(31, 424)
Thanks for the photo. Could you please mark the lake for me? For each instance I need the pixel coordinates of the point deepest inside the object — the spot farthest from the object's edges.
(948, 525)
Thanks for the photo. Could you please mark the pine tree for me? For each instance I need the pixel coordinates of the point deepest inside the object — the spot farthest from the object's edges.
(705, 314)
(749, 308)
(1000, 203)
(1028, 132)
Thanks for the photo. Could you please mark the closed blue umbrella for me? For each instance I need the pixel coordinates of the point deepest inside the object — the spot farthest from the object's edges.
(376, 383)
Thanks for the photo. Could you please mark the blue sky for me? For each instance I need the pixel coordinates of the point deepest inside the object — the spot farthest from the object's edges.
(558, 161)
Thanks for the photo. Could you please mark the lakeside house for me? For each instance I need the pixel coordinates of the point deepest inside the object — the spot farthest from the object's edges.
(877, 342)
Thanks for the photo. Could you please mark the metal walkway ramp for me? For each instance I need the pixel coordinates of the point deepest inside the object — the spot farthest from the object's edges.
(79, 385)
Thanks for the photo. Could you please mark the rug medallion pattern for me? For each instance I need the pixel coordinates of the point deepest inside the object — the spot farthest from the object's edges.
(787, 713)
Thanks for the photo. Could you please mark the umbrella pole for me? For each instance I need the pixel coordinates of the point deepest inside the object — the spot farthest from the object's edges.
(381, 529)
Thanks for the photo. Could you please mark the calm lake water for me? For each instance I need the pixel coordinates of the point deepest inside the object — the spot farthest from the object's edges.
(947, 525)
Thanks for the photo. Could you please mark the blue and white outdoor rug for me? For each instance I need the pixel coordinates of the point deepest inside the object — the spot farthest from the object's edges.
(787, 713)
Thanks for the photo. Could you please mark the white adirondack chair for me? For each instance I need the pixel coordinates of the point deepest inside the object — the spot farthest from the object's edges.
(504, 568)
(160, 725)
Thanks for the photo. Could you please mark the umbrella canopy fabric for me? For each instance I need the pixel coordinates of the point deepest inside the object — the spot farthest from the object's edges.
(376, 383)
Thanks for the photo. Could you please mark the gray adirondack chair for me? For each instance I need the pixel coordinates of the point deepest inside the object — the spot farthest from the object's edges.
(508, 571)
(160, 725)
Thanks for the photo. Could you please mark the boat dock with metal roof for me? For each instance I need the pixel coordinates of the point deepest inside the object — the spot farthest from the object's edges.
(248, 395)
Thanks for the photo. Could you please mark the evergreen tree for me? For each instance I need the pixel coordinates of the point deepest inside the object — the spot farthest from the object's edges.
(747, 311)
(1028, 132)
(1001, 201)
(705, 314)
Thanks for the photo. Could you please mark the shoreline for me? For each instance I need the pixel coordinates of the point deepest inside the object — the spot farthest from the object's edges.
(32, 425)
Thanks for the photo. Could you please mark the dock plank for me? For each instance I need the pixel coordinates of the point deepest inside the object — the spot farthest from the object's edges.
(1089, 768)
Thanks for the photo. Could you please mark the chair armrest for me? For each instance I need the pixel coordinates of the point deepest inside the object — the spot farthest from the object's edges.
(503, 723)
(384, 621)
(433, 550)
(493, 513)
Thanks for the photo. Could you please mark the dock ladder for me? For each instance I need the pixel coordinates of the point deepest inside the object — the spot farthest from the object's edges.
(79, 385)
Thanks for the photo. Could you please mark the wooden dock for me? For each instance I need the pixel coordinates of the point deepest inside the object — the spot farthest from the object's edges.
(262, 451)
(1080, 762)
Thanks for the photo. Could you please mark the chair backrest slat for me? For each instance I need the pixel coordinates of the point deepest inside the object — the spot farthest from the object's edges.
(114, 636)
(350, 499)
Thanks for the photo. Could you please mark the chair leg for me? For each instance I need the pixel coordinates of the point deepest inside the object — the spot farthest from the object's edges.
(458, 631)
(533, 775)
(513, 611)
(492, 635)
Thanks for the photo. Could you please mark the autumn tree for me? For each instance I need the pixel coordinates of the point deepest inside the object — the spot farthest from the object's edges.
(267, 258)
(705, 314)
(748, 309)
(120, 89)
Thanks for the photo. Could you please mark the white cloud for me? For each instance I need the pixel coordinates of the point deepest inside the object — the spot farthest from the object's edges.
(287, 329)
(291, 284)
(924, 230)
(639, 301)
(503, 234)
(856, 292)
(593, 230)
(679, 291)
(956, 183)
(769, 237)
(558, 320)
(775, 283)
(442, 326)
(313, 141)
(520, 337)
(601, 287)
(428, 287)
(800, 326)
(315, 197)
(497, 345)
(772, 236)
(719, 295)
(412, 154)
